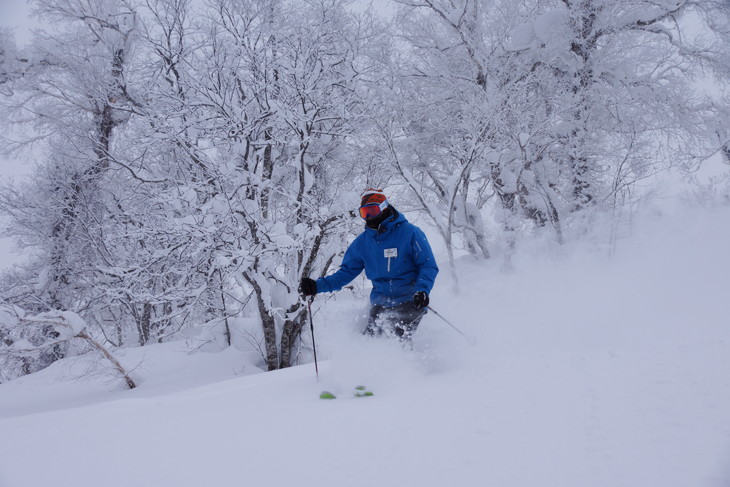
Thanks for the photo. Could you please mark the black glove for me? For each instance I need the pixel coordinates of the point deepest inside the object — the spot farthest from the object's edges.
(420, 299)
(308, 287)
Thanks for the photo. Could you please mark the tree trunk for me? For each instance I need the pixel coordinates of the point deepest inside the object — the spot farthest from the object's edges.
(292, 331)
(583, 47)
(268, 324)
(143, 324)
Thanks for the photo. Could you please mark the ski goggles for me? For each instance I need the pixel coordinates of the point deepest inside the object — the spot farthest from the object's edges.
(372, 210)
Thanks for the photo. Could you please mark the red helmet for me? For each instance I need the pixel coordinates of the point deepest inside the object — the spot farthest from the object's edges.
(372, 203)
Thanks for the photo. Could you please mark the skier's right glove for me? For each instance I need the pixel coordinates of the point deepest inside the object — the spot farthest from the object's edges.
(420, 299)
(308, 287)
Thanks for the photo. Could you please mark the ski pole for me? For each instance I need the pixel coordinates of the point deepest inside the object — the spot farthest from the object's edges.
(471, 340)
(311, 327)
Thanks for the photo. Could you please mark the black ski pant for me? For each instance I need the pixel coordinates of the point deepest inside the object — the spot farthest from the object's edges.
(401, 321)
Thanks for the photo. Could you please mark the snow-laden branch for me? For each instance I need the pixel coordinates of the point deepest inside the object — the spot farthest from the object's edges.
(21, 336)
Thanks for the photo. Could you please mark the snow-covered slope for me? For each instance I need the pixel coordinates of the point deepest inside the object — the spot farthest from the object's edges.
(586, 372)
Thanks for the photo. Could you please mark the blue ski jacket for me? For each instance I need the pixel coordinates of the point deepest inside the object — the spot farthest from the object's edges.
(396, 257)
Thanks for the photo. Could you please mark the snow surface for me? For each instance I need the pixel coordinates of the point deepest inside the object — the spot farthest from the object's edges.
(586, 372)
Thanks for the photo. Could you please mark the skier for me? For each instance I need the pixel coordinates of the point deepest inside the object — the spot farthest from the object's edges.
(397, 259)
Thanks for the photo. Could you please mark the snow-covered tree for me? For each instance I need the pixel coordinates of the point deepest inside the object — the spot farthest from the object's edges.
(280, 100)
(217, 174)
(577, 100)
(430, 122)
(72, 94)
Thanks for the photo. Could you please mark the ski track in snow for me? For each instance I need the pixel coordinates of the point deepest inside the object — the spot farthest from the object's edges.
(585, 373)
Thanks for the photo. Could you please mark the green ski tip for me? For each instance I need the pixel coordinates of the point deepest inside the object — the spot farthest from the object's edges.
(362, 391)
(327, 395)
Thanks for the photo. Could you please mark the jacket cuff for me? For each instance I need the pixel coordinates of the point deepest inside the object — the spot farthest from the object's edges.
(322, 286)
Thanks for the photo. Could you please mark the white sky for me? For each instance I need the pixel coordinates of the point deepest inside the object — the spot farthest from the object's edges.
(14, 14)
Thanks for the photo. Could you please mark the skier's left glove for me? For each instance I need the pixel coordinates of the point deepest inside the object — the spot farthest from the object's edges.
(420, 299)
